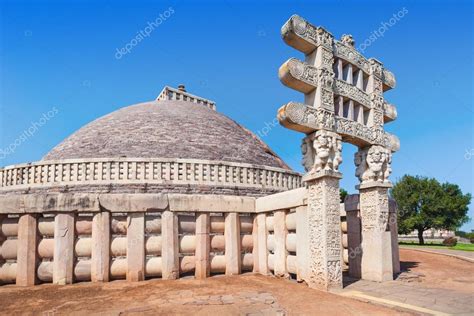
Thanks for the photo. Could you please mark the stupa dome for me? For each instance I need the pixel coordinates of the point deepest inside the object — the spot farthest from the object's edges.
(166, 129)
(177, 143)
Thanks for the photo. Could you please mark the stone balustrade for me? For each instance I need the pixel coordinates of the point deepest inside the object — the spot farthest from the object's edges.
(148, 175)
(65, 238)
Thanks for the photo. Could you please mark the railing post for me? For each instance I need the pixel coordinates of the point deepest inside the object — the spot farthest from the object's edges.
(203, 246)
(233, 257)
(100, 269)
(64, 237)
(135, 247)
(170, 245)
(262, 248)
(27, 258)
(302, 243)
(393, 225)
(280, 231)
(354, 247)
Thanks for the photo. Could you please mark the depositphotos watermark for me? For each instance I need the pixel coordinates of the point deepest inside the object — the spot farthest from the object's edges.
(268, 127)
(384, 26)
(28, 133)
(142, 34)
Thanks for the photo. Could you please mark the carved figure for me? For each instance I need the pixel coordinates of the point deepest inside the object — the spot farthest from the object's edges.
(307, 151)
(373, 164)
(337, 156)
(348, 40)
(322, 145)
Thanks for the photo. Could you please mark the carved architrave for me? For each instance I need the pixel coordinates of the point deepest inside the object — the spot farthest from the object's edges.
(304, 118)
(352, 55)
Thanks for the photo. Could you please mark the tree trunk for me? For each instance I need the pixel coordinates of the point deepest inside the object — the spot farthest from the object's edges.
(420, 237)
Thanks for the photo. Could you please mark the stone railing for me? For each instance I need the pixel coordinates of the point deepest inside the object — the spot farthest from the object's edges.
(71, 237)
(284, 239)
(67, 238)
(76, 172)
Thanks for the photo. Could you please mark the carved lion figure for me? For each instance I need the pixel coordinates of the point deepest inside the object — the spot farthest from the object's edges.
(373, 164)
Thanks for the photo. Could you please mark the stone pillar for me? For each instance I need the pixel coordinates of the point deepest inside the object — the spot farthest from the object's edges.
(100, 269)
(376, 264)
(233, 257)
(354, 247)
(302, 243)
(255, 244)
(136, 247)
(203, 245)
(170, 245)
(262, 243)
(324, 231)
(64, 237)
(2, 239)
(373, 169)
(392, 222)
(280, 232)
(27, 258)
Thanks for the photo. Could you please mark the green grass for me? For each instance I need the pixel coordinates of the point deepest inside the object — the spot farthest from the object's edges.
(459, 246)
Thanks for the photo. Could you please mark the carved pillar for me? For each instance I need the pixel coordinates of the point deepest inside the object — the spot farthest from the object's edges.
(324, 230)
(373, 169)
(325, 248)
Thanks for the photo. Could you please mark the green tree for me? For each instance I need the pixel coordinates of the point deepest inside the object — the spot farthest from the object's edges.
(424, 203)
(343, 193)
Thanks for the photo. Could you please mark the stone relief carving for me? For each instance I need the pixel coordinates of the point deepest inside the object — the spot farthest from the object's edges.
(350, 54)
(326, 151)
(374, 209)
(347, 90)
(324, 234)
(348, 40)
(320, 118)
(389, 78)
(375, 67)
(373, 164)
(308, 153)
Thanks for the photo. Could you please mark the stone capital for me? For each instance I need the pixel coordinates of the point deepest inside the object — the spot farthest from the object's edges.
(311, 176)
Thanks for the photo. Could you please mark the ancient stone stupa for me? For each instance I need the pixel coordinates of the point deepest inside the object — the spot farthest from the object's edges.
(172, 187)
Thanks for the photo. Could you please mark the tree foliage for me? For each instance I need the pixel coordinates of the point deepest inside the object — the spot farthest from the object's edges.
(343, 193)
(424, 203)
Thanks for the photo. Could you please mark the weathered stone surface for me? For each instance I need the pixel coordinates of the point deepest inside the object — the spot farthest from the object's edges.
(100, 269)
(376, 262)
(64, 237)
(170, 245)
(27, 259)
(233, 259)
(203, 245)
(134, 202)
(136, 247)
(185, 130)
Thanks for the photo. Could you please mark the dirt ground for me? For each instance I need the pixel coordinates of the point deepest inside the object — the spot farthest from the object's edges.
(240, 295)
(439, 271)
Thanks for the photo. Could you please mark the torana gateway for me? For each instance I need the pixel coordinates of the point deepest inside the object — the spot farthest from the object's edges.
(172, 187)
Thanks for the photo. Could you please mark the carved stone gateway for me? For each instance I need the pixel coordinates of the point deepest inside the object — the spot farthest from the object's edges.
(343, 102)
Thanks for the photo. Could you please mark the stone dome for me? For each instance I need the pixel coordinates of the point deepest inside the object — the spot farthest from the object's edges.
(166, 129)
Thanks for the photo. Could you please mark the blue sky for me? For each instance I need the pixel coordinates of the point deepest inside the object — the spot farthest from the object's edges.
(61, 56)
